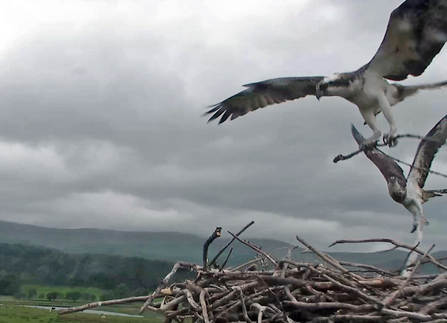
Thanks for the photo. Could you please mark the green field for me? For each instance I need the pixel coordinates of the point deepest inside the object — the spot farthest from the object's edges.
(42, 289)
(20, 314)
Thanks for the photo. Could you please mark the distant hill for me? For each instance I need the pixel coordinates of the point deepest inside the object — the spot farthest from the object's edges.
(171, 246)
(53, 267)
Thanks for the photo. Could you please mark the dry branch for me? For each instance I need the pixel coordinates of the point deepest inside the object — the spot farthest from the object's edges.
(397, 245)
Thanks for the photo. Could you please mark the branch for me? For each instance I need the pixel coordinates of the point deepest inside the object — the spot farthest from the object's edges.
(226, 259)
(397, 244)
(415, 167)
(326, 258)
(370, 267)
(204, 308)
(390, 299)
(255, 249)
(104, 303)
(349, 156)
(216, 234)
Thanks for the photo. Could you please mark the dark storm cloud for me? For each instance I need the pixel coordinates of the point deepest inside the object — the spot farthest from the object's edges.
(101, 121)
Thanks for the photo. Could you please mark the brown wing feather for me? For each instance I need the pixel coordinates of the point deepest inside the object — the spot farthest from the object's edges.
(428, 147)
(261, 94)
(387, 166)
(416, 33)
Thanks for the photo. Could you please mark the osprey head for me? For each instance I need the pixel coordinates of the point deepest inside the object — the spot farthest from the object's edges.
(397, 192)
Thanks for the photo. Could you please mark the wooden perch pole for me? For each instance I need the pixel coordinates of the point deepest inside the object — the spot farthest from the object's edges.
(216, 234)
(230, 242)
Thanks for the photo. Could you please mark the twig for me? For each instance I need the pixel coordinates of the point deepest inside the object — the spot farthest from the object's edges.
(226, 260)
(397, 244)
(216, 234)
(104, 303)
(273, 261)
(390, 299)
(230, 242)
(344, 157)
(406, 264)
(248, 263)
(329, 260)
(370, 267)
(415, 167)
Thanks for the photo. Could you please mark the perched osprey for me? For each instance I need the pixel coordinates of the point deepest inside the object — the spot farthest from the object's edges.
(416, 32)
(409, 191)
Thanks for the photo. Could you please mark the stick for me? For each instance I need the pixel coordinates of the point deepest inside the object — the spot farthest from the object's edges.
(244, 308)
(255, 249)
(204, 308)
(372, 268)
(97, 304)
(397, 244)
(390, 299)
(329, 260)
(226, 260)
(230, 242)
(415, 167)
(344, 157)
(250, 262)
(216, 234)
(407, 261)
(190, 299)
(261, 310)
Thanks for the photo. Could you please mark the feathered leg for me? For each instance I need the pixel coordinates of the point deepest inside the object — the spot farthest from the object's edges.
(385, 106)
(370, 120)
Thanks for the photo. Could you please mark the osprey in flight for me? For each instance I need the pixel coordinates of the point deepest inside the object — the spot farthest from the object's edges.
(409, 191)
(416, 33)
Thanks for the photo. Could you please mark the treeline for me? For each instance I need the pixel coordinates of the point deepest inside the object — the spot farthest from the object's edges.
(53, 296)
(123, 275)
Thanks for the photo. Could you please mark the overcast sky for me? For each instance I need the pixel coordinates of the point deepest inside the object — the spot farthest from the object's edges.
(101, 126)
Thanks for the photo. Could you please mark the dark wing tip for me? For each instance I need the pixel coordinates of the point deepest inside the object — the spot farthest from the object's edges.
(357, 135)
(219, 109)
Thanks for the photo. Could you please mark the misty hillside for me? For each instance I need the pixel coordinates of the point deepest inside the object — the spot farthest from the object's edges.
(171, 246)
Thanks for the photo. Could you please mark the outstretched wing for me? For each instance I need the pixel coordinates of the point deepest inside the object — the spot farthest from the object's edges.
(428, 147)
(261, 94)
(416, 32)
(388, 167)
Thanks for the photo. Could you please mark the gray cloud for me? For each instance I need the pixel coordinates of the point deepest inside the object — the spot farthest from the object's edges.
(101, 121)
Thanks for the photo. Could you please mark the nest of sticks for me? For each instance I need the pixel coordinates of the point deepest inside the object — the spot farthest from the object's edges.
(289, 291)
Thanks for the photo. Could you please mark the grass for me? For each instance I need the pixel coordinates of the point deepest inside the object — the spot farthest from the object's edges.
(42, 289)
(20, 314)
